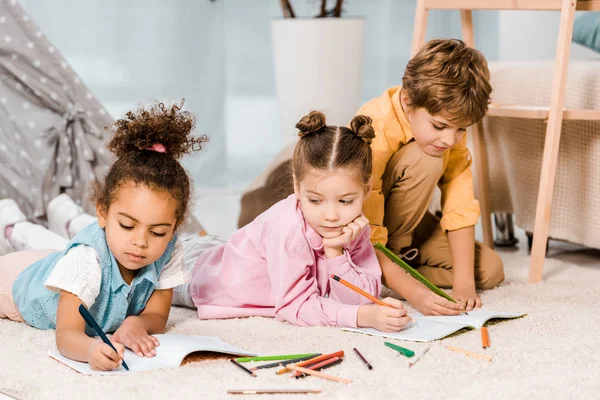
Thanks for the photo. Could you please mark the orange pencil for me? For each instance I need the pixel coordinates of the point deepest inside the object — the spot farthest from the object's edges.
(485, 337)
(360, 291)
(318, 366)
(339, 354)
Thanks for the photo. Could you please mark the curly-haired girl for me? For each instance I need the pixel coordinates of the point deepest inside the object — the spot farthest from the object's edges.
(123, 267)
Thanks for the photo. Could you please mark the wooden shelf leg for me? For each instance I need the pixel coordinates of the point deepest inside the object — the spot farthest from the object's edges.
(479, 150)
(552, 141)
(420, 27)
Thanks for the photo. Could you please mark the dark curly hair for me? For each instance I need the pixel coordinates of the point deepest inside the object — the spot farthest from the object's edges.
(148, 144)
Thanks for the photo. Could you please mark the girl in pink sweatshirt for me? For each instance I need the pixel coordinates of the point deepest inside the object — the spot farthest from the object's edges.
(280, 265)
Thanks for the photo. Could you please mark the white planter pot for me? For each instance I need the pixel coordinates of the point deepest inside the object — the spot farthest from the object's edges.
(318, 66)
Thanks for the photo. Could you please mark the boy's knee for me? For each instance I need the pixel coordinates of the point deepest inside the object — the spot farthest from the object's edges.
(490, 271)
(411, 161)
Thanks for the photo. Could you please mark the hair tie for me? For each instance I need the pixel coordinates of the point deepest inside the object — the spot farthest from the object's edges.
(159, 148)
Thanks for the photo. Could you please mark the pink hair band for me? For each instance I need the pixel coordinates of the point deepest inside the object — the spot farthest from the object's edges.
(159, 148)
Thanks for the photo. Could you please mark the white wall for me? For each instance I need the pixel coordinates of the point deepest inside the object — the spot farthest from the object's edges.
(218, 56)
(532, 35)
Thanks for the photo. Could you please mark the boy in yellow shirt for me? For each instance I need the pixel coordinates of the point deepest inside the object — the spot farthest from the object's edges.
(420, 142)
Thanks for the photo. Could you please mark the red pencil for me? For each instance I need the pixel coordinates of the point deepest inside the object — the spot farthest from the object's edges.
(313, 361)
(317, 367)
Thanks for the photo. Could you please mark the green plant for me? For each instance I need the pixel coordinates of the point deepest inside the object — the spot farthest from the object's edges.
(336, 11)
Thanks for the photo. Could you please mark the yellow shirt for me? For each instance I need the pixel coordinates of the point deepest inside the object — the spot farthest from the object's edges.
(392, 131)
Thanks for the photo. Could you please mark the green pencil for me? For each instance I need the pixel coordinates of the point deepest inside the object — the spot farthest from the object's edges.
(405, 352)
(274, 358)
(414, 273)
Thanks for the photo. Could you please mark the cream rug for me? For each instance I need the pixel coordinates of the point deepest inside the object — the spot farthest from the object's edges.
(551, 353)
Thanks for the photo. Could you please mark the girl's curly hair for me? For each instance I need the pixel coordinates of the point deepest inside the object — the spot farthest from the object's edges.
(148, 144)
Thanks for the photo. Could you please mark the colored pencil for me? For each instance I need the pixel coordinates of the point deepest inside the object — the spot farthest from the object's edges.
(273, 391)
(360, 291)
(485, 337)
(405, 352)
(469, 353)
(362, 358)
(242, 367)
(319, 374)
(414, 360)
(330, 362)
(273, 358)
(414, 273)
(94, 325)
(284, 363)
(312, 361)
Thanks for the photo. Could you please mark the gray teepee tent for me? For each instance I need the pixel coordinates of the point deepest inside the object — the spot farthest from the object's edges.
(52, 129)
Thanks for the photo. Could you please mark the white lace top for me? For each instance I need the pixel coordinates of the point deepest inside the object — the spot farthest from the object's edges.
(79, 272)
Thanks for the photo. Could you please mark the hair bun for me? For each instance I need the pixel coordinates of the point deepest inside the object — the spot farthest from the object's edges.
(361, 126)
(158, 128)
(311, 123)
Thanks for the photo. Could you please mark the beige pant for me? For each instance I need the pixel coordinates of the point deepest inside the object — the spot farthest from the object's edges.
(11, 265)
(408, 185)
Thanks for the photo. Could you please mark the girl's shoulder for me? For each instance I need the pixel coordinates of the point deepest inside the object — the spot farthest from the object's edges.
(283, 220)
(283, 215)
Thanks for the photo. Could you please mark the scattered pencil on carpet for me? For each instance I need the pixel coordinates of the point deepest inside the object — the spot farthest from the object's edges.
(319, 374)
(368, 364)
(469, 353)
(274, 391)
(284, 363)
(414, 360)
(330, 362)
(485, 337)
(312, 361)
(242, 367)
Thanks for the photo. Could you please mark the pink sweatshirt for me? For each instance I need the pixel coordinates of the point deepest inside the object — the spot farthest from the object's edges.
(276, 267)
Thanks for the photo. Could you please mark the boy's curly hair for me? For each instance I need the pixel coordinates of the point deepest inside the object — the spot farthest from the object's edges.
(148, 144)
(448, 77)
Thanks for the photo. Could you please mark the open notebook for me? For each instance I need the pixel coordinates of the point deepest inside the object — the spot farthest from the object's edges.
(170, 354)
(426, 329)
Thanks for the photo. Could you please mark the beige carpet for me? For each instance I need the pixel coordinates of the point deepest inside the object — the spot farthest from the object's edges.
(551, 353)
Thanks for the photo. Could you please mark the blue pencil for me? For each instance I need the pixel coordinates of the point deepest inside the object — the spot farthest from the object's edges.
(90, 321)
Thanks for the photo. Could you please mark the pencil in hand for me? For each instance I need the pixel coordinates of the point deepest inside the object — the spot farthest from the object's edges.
(360, 291)
(94, 325)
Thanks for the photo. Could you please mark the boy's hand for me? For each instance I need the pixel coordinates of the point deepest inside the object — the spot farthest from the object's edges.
(134, 336)
(466, 296)
(102, 357)
(384, 319)
(429, 303)
(333, 247)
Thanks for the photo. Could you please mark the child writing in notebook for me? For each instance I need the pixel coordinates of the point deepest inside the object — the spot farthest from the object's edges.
(280, 265)
(420, 143)
(123, 267)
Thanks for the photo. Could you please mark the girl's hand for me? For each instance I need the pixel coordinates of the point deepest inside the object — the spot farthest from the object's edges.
(102, 357)
(382, 318)
(134, 336)
(349, 233)
(429, 303)
(466, 296)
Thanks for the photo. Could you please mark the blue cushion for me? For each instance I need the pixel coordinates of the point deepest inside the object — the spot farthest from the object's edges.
(586, 30)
